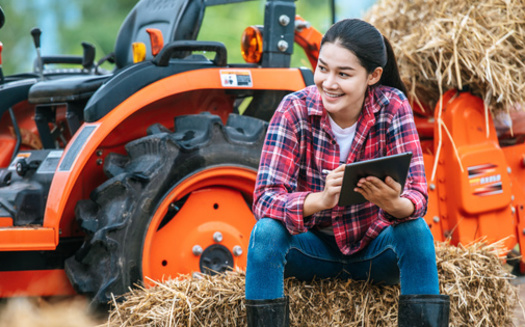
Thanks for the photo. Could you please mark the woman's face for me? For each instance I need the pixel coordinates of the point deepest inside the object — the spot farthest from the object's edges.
(342, 82)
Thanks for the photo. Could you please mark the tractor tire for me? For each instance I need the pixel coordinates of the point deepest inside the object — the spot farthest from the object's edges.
(177, 203)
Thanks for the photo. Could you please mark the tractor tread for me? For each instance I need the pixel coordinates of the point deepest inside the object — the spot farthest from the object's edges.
(114, 164)
(119, 210)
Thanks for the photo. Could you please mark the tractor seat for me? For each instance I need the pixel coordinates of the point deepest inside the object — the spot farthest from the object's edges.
(176, 19)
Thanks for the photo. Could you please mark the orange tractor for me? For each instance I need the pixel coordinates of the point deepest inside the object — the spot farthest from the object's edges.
(147, 172)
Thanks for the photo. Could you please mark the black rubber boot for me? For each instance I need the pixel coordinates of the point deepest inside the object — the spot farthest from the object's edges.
(423, 311)
(267, 313)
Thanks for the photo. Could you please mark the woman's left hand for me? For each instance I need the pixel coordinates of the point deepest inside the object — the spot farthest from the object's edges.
(385, 195)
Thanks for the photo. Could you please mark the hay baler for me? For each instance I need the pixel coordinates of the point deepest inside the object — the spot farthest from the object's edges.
(475, 177)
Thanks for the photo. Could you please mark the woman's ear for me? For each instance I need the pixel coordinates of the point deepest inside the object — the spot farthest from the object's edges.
(375, 76)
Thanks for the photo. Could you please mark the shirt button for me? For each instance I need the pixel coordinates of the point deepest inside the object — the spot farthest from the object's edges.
(333, 142)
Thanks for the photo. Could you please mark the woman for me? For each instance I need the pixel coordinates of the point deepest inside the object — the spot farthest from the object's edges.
(356, 110)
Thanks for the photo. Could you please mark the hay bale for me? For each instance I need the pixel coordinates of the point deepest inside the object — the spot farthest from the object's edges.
(39, 312)
(473, 276)
(448, 44)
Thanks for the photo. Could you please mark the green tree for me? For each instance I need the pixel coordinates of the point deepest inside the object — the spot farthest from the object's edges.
(98, 22)
(94, 21)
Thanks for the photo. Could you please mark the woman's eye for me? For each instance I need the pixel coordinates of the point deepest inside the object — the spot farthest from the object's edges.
(343, 75)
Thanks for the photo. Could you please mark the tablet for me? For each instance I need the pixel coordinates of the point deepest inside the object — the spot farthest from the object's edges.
(395, 166)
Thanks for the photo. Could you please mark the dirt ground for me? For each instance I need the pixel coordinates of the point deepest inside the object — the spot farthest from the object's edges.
(519, 314)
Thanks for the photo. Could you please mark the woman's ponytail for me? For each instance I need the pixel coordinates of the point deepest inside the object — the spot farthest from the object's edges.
(391, 75)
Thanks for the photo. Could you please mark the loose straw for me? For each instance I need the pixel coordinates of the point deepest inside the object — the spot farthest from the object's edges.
(472, 275)
(482, 43)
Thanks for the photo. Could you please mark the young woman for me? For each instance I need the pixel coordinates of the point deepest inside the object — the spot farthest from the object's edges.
(357, 110)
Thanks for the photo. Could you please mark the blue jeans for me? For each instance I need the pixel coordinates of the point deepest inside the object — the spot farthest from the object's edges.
(403, 254)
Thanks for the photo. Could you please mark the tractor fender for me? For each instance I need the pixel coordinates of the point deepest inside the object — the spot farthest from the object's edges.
(82, 156)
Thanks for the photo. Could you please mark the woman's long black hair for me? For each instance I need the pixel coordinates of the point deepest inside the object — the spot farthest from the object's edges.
(370, 47)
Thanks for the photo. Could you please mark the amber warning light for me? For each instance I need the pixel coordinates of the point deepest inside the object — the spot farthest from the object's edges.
(252, 44)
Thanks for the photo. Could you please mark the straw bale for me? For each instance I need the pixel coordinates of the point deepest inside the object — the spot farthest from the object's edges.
(40, 312)
(474, 277)
(479, 44)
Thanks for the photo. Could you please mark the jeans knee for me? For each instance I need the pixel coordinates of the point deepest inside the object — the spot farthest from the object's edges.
(269, 240)
(416, 232)
(417, 229)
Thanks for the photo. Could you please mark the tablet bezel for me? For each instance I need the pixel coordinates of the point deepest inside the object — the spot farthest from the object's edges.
(395, 166)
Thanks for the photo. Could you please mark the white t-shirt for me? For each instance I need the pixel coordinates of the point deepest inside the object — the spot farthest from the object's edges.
(344, 138)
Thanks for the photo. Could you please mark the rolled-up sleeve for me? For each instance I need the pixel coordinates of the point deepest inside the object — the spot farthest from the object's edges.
(275, 194)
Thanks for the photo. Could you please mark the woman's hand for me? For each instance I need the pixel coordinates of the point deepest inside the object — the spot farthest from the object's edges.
(332, 187)
(329, 197)
(385, 195)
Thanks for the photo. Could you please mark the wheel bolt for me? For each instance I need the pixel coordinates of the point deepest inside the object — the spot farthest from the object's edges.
(217, 237)
(237, 250)
(197, 250)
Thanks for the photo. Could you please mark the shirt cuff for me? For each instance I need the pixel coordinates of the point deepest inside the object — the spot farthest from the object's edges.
(294, 220)
(416, 214)
(419, 204)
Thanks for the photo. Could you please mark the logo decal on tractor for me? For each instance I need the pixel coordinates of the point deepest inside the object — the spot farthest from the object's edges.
(482, 183)
(236, 78)
(491, 189)
(480, 170)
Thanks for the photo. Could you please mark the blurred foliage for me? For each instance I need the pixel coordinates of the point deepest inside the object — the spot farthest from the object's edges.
(226, 24)
(98, 22)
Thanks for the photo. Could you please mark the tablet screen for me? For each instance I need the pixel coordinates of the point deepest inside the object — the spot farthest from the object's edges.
(395, 166)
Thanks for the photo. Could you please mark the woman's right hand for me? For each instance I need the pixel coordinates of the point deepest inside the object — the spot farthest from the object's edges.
(332, 187)
(329, 197)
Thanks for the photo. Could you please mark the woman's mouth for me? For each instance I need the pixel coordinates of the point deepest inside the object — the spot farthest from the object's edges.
(333, 95)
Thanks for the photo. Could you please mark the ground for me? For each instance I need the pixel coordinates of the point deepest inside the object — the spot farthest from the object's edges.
(519, 319)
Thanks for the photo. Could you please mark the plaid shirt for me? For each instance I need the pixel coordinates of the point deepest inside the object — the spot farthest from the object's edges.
(300, 144)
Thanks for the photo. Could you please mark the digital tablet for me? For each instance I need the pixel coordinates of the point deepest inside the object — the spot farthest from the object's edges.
(395, 166)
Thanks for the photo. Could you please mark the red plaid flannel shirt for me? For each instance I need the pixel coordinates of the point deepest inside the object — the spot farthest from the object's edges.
(300, 144)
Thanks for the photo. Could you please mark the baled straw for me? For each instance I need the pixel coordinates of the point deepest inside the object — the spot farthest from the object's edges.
(481, 44)
(473, 276)
(39, 312)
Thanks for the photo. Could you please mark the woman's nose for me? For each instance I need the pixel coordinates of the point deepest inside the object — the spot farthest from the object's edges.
(329, 82)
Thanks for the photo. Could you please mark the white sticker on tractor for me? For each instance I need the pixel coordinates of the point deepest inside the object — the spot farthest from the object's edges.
(236, 78)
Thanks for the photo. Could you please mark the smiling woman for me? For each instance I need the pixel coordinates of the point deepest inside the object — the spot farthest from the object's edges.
(356, 110)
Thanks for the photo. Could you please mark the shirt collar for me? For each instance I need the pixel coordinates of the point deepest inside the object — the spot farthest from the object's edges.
(375, 99)
(314, 102)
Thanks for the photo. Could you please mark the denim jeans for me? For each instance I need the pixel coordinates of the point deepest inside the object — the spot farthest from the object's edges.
(402, 254)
